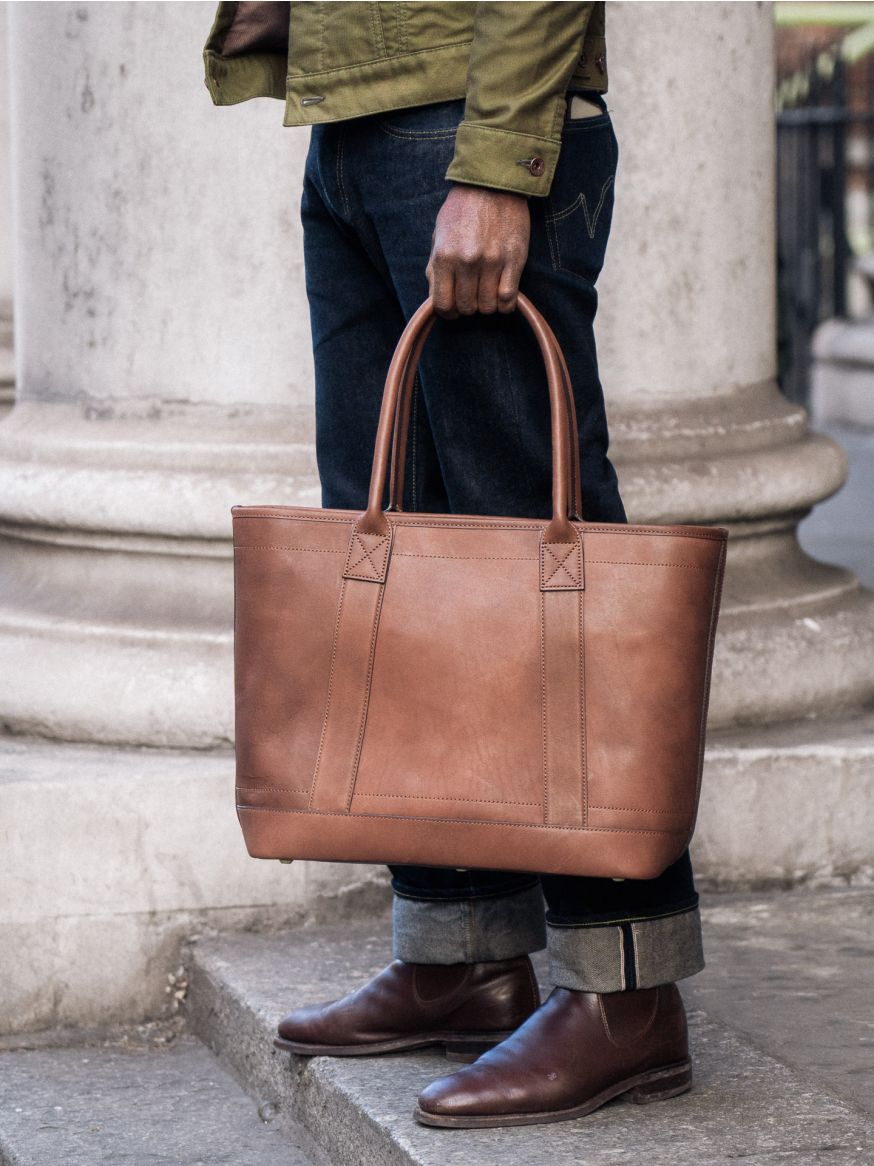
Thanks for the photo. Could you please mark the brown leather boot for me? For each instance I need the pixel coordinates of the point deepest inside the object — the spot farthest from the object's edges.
(576, 1052)
(465, 1007)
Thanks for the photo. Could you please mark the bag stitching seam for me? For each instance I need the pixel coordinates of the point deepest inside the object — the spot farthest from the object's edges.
(471, 558)
(544, 713)
(584, 762)
(324, 732)
(437, 798)
(378, 569)
(561, 564)
(287, 789)
(411, 521)
(356, 758)
(637, 809)
(458, 821)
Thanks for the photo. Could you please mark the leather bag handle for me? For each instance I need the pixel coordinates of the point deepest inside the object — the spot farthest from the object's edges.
(401, 374)
(402, 425)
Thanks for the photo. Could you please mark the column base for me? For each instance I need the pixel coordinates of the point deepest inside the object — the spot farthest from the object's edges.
(116, 591)
(788, 804)
(796, 636)
(116, 857)
(116, 584)
(7, 360)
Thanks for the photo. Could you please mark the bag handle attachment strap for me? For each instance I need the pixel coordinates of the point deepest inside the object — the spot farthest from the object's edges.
(560, 530)
(402, 424)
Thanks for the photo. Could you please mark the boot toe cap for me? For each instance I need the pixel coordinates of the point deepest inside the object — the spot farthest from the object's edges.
(300, 1025)
(459, 1095)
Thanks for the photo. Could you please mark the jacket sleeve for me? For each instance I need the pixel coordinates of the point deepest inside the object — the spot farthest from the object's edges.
(521, 60)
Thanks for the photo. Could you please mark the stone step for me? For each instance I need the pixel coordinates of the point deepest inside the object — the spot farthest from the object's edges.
(123, 1102)
(779, 804)
(746, 1103)
(794, 972)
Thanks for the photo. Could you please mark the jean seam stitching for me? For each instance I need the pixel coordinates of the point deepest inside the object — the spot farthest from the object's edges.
(624, 919)
(467, 895)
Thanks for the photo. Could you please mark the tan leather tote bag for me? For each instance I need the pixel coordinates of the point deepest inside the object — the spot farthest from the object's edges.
(464, 691)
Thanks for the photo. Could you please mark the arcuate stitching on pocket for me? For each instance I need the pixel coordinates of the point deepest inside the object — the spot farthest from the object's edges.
(582, 201)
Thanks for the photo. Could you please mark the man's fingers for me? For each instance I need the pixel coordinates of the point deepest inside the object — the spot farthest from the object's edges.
(462, 288)
(490, 273)
(441, 281)
(479, 247)
(508, 287)
(466, 286)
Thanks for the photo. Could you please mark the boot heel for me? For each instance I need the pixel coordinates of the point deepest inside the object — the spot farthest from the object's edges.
(662, 1084)
(465, 1051)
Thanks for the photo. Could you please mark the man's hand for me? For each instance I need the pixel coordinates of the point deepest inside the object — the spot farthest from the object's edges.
(478, 249)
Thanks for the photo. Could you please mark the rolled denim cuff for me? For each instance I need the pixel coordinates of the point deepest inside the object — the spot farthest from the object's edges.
(468, 931)
(627, 954)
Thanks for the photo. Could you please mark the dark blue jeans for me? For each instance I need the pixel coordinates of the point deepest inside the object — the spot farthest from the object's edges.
(479, 444)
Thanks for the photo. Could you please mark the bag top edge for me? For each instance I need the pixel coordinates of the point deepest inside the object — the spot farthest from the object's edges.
(485, 522)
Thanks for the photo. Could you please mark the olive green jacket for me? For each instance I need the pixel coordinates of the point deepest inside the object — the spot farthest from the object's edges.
(513, 62)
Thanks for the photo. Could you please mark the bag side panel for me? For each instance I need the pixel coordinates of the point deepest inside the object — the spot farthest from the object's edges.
(287, 583)
(649, 604)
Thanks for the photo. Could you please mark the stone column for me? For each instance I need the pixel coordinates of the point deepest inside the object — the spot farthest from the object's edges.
(702, 434)
(164, 374)
(7, 363)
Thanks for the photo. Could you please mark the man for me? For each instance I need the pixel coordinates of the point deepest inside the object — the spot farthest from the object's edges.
(465, 151)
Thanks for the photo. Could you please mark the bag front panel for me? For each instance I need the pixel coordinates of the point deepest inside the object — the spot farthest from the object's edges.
(454, 717)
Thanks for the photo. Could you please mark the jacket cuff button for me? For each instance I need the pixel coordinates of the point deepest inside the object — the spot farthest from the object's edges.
(537, 166)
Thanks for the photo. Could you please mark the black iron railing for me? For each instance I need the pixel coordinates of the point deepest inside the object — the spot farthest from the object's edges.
(813, 252)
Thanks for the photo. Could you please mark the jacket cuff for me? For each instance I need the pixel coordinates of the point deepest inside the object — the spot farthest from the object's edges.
(503, 159)
(237, 79)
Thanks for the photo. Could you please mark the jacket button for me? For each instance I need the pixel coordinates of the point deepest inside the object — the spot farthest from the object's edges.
(537, 166)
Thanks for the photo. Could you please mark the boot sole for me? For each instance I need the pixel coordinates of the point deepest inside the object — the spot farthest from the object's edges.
(654, 1085)
(462, 1047)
